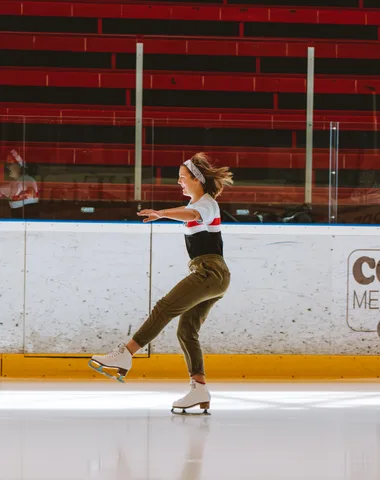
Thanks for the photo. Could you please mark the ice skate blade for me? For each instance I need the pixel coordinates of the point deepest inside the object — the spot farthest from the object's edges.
(185, 413)
(205, 406)
(103, 370)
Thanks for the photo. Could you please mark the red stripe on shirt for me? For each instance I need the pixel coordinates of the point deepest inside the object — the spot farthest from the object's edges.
(193, 223)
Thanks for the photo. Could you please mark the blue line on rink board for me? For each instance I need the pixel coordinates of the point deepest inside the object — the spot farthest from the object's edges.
(137, 222)
(37, 220)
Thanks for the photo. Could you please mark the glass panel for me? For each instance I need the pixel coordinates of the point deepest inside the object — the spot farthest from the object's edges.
(359, 173)
(267, 158)
(78, 168)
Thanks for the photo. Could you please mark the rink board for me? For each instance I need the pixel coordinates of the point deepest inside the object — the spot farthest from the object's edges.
(72, 289)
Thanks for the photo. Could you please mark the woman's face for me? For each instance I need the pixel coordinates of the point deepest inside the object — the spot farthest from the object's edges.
(14, 170)
(189, 184)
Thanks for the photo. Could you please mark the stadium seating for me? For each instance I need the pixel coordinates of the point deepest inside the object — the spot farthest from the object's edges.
(220, 76)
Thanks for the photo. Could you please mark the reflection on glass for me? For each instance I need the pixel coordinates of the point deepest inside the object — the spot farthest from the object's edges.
(21, 189)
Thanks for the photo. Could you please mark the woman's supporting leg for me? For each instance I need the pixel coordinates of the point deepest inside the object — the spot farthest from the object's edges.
(189, 325)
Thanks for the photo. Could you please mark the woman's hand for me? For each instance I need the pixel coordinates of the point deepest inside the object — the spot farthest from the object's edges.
(151, 214)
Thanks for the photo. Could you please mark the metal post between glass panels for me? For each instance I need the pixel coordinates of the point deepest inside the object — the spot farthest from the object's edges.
(138, 124)
(333, 172)
(309, 126)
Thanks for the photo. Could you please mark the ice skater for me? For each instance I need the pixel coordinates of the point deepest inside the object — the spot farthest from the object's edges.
(22, 191)
(194, 296)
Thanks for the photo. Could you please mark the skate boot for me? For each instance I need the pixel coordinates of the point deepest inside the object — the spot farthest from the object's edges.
(114, 365)
(198, 395)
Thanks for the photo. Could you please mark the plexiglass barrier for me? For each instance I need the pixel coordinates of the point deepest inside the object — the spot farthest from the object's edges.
(72, 168)
(354, 173)
(83, 168)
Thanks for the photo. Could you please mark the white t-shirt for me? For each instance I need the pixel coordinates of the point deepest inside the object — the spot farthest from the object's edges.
(204, 236)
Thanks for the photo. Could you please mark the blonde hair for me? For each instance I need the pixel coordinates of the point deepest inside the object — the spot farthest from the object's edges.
(216, 177)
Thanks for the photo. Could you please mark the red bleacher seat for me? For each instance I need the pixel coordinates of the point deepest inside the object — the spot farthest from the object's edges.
(169, 156)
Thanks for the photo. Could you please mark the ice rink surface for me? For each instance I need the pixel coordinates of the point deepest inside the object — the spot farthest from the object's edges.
(59, 430)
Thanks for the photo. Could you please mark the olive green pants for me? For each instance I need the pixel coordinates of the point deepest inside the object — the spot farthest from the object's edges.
(191, 299)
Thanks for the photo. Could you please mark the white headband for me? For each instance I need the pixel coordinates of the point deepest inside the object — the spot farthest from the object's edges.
(17, 157)
(195, 171)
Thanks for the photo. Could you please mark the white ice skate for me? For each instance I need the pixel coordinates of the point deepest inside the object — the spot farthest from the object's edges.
(114, 365)
(198, 395)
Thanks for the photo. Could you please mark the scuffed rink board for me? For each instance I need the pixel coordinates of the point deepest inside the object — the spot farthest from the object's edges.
(12, 261)
(89, 290)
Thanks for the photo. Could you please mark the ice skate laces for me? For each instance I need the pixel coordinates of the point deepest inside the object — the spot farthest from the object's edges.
(193, 385)
(118, 350)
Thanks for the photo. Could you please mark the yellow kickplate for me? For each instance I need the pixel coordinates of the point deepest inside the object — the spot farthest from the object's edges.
(45, 366)
(233, 367)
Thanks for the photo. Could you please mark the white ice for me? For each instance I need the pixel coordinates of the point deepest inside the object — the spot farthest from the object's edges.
(266, 431)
